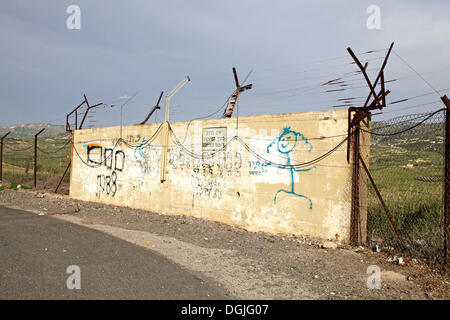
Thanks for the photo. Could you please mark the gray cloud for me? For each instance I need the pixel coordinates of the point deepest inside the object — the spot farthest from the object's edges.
(149, 46)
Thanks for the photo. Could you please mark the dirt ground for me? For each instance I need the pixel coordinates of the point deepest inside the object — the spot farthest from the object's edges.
(249, 265)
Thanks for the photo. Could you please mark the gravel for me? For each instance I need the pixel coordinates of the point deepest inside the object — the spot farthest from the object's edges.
(277, 266)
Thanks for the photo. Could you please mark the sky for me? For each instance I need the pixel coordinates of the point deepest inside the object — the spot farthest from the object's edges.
(285, 49)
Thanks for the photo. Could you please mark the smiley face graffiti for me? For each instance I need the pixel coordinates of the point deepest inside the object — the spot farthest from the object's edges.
(285, 143)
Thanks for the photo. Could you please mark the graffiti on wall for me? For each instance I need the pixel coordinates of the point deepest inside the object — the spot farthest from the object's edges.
(113, 160)
(147, 157)
(207, 173)
(107, 184)
(206, 184)
(221, 162)
(257, 167)
(214, 139)
(285, 144)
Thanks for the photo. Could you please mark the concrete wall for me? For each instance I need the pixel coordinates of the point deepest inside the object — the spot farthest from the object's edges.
(234, 186)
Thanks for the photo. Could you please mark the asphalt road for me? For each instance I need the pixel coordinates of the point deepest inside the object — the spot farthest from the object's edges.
(35, 252)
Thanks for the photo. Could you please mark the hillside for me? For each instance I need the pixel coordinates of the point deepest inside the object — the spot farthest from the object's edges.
(27, 131)
(425, 137)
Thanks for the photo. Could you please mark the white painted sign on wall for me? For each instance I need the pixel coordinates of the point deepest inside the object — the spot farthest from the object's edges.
(214, 139)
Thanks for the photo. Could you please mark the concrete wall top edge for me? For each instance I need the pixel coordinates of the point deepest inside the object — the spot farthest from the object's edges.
(302, 116)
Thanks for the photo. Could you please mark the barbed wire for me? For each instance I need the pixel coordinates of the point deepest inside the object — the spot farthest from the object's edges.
(250, 150)
(404, 130)
(319, 60)
(57, 150)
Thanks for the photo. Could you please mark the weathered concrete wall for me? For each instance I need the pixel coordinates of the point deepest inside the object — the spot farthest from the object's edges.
(235, 186)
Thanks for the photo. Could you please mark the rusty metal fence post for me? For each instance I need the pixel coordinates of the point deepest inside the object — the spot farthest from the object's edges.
(35, 157)
(355, 187)
(378, 102)
(447, 185)
(1, 156)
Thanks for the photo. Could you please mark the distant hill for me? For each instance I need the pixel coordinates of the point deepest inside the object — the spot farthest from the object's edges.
(27, 131)
(413, 137)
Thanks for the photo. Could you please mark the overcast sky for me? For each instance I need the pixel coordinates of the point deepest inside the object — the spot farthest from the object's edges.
(124, 47)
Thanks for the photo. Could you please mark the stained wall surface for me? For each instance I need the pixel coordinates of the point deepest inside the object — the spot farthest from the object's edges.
(240, 172)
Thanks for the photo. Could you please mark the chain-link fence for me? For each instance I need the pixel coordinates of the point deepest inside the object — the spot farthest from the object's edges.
(53, 156)
(407, 165)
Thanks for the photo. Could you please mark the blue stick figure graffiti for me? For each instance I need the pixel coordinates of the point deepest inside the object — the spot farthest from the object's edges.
(285, 143)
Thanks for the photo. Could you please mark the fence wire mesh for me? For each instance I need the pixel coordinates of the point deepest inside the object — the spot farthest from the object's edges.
(406, 162)
(53, 155)
(407, 165)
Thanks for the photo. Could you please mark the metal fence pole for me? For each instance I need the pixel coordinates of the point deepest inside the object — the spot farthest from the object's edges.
(447, 185)
(1, 156)
(355, 187)
(62, 178)
(383, 204)
(35, 156)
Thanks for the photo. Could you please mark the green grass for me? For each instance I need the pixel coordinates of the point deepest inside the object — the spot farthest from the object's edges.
(416, 206)
(16, 186)
(396, 164)
(18, 159)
